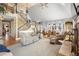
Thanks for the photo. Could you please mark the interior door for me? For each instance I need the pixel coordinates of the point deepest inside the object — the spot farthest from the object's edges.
(6, 26)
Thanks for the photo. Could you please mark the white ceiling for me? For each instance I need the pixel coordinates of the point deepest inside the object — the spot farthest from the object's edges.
(54, 11)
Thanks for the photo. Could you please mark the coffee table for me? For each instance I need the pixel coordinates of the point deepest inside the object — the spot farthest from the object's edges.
(53, 40)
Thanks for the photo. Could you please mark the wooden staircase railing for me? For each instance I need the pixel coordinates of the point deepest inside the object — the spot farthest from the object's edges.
(23, 16)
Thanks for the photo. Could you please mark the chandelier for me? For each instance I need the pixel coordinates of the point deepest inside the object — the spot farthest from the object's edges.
(43, 5)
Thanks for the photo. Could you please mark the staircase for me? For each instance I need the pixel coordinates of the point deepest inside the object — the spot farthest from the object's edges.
(23, 21)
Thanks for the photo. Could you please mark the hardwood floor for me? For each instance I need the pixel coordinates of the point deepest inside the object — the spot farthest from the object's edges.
(9, 41)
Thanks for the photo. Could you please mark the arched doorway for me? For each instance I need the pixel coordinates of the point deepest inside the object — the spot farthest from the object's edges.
(68, 26)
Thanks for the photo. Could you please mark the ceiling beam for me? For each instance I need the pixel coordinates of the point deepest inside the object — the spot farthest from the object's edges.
(75, 8)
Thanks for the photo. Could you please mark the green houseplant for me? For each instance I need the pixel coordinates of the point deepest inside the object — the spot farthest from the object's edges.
(2, 9)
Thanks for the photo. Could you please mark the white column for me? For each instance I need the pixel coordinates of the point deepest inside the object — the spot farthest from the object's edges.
(64, 28)
(16, 22)
(74, 23)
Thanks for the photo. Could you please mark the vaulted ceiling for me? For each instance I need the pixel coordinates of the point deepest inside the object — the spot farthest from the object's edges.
(53, 11)
(49, 12)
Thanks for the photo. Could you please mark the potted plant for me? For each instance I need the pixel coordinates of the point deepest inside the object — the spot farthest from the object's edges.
(2, 9)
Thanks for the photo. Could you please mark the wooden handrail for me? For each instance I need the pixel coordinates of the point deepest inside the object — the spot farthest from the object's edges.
(21, 14)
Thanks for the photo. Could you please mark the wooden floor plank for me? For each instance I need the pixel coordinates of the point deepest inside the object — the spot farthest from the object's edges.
(10, 41)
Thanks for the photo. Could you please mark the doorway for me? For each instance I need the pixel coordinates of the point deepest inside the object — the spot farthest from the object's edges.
(6, 28)
(6, 33)
(68, 26)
